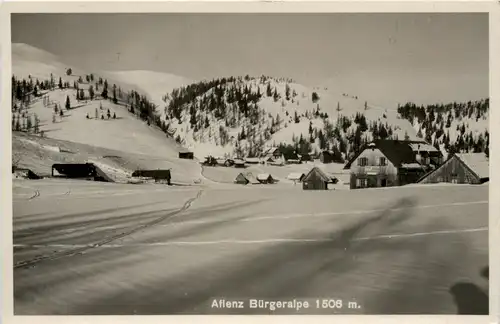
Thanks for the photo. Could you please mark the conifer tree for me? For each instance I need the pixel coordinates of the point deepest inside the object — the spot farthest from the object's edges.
(91, 92)
(29, 123)
(104, 92)
(37, 124)
(68, 103)
(115, 101)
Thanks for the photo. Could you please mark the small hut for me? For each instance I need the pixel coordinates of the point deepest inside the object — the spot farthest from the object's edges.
(241, 179)
(316, 180)
(265, 178)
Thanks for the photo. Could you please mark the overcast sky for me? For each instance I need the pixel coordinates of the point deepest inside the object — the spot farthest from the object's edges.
(387, 58)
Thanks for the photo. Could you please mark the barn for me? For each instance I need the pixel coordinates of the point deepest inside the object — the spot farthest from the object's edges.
(239, 163)
(471, 168)
(157, 175)
(316, 179)
(87, 171)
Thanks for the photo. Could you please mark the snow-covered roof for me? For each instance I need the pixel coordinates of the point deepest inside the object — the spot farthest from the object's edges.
(411, 166)
(263, 176)
(423, 147)
(477, 162)
(251, 178)
(295, 176)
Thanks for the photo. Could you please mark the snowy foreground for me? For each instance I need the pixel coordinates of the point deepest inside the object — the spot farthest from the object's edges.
(97, 248)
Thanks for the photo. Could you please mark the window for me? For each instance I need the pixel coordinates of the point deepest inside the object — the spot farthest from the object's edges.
(362, 161)
(361, 183)
(383, 161)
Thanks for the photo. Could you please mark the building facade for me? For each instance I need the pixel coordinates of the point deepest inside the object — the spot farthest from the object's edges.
(386, 163)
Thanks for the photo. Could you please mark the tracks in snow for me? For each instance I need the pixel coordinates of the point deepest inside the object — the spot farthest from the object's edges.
(61, 254)
(36, 194)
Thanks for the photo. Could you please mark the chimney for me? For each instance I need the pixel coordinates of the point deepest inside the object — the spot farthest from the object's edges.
(418, 157)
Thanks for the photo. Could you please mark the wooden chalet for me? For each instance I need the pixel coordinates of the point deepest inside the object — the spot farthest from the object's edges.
(465, 168)
(384, 163)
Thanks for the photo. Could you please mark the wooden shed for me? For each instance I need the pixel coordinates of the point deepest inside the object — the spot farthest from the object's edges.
(471, 168)
(316, 179)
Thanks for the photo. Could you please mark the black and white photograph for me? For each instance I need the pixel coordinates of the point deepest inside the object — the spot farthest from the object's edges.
(181, 163)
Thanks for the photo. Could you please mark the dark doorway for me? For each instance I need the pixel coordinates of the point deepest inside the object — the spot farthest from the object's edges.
(383, 182)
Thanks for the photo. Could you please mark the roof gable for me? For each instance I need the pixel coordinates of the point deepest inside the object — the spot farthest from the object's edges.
(398, 152)
(317, 171)
(264, 176)
(476, 162)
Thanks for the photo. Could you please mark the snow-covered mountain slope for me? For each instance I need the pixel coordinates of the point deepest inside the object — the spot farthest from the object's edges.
(225, 116)
(224, 108)
(153, 84)
(125, 133)
(459, 127)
